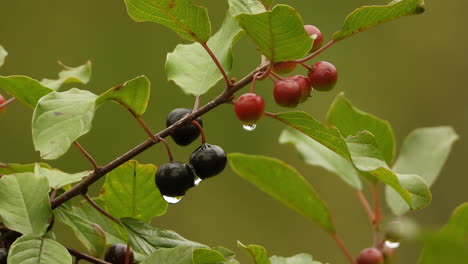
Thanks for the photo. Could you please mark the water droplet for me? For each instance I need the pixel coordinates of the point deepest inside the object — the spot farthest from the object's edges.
(172, 200)
(392, 244)
(314, 36)
(250, 127)
(197, 181)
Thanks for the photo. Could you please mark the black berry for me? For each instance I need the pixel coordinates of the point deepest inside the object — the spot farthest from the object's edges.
(208, 160)
(186, 134)
(3, 256)
(174, 179)
(115, 254)
(370, 256)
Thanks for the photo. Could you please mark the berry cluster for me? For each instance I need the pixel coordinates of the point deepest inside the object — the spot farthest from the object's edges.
(293, 90)
(174, 178)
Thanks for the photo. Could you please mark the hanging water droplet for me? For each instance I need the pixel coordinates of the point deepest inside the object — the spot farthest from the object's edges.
(250, 127)
(197, 181)
(172, 200)
(392, 244)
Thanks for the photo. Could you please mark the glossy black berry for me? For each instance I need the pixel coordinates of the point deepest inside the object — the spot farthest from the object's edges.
(3, 256)
(186, 134)
(208, 160)
(174, 179)
(115, 254)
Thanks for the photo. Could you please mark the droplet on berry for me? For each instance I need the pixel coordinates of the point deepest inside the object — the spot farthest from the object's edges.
(304, 84)
(208, 161)
(172, 200)
(287, 93)
(284, 67)
(249, 127)
(316, 35)
(323, 76)
(187, 133)
(115, 254)
(370, 256)
(249, 108)
(173, 179)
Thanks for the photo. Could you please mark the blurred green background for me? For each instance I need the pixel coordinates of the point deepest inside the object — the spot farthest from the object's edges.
(410, 72)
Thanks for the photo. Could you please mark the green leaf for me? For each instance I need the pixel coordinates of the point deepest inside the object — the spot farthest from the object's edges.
(25, 89)
(145, 239)
(59, 119)
(12, 168)
(279, 34)
(3, 55)
(190, 66)
(185, 18)
(296, 259)
(207, 256)
(111, 230)
(350, 120)
(24, 203)
(134, 95)
(283, 183)
(316, 154)
(450, 244)
(237, 7)
(129, 191)
(258, 253)
(177, 255)
(369, 16)
(80, 74)
(328, 136)
(90, 234)
(58, 179)
(367, 158)
(424, 152)
(36, 250)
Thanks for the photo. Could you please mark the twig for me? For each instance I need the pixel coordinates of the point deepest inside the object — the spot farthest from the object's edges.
(7, 102)
(306, 66)
(86, 154)
(343, 248)
(276, 75)
(168, 148)
(366, 206)
(203, 140)
(378, 215)
(99, 209)
(315, 54)
(144, 126)
(218, 64)
(89, 258)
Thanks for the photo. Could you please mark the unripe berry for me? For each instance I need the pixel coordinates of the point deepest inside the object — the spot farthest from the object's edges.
(173, 179)
(287, 93)
(187, 133)
(316, 35)
(208, 160)
(304, 84)
(115, 254)
(370, 256)
(249, 108)
(323, 76)
(284, 67)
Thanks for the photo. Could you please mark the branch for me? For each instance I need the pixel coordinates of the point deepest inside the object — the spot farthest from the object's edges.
(83, 256)
(101, 171)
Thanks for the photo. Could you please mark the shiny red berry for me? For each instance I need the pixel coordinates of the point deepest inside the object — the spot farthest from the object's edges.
(323, 76)
(316, 35)
(249, 108)
(304, 84)
(370, 256)
(2, 100)
(115, 254)
(284, 67)
(287, 93)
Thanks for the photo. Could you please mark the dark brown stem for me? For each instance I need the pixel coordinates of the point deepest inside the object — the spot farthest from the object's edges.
(144, 126)
(367, 207)
(100, 172)
(315, 54)
(168, 148)
(218, 64)
(91, 259)
(343, 248)
(203, 140)
(7, 102)
(99, 209)
(86, 154)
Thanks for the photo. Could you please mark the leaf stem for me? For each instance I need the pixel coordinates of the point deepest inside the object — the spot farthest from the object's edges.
(86, 154)
(169, 152)
(218, 64)
(7, 102)
(315, 54)
(276, 75)
(203, 139)
(343, 248)
(367, 207)
(144, 126)
(306, 66)
(197, 103)
(378, 215)
(78, 255)
(99, 209)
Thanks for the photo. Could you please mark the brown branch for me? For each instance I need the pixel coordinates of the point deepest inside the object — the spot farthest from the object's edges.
(99, 209)
(86, 154)
(79, 255)
(101, 171)
(218, 64)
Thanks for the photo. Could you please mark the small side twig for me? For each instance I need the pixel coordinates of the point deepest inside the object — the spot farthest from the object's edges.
(7, 102)
(86, 154)
(315, 54)
(99, 209)
(366, 205)
(169, 152)
(343, 248)
(202, 132)
(144, 126)
(78, 255)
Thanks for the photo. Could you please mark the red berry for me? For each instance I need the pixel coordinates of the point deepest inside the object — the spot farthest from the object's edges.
(316, 35)
(370, 256)
(304, 84)
(2, 100)
(287, 93)
(323, 76)
(249, 108)
(284, 67)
